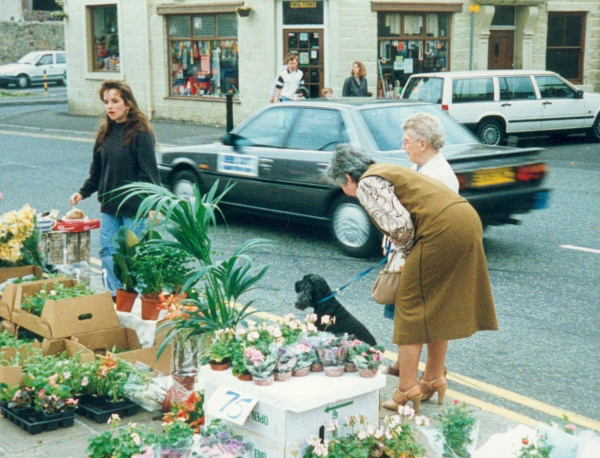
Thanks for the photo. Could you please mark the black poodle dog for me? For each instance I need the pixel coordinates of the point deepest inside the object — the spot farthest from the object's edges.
(310, 290)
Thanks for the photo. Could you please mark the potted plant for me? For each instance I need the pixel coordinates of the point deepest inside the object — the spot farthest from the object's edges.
(21, 401)
(177, 271)
(217, 439)
(126, 243)
(218, 351)
(305, 357)
(238, 368)
(131, 441)
(191, 411)
(286, 361)
(332, 353)
(350, 345)
(243, 11)
(367, 359)
(458, 429)
(261, 365)
(175, 440)
(149, 273)
(54, 400)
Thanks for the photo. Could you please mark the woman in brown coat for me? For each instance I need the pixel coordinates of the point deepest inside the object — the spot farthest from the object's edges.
(444, 291)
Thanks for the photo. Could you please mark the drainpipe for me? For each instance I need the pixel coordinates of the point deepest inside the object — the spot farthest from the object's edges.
(150, 108)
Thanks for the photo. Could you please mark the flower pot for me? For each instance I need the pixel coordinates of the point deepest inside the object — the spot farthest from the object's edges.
(302, 372)
(243, 11)
(125, 300)
(334, 371)
(316, 367)
(263, 381)
(282, 376)
(367, 373)
(350, 367)
(221, 365)
(150, 307)
(245, 377)
(186, 381)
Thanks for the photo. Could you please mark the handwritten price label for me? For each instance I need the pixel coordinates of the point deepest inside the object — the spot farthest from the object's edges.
(230, 405)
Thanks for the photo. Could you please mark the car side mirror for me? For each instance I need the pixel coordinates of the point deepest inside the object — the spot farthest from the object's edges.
(233, 140)
(579, 94)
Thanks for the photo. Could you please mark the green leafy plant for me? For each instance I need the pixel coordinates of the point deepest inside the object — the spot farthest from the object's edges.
(54, 399)
(132, 440)
(219, 349)
(8, 340)
(236, 353)
(21, 399)
(456, 427)
(221, 283)
(34, 304)
(126, 243)
(175, 433)
(367, 357)
(529, 449)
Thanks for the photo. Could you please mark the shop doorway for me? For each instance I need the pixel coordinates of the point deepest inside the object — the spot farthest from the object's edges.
(501, 50)
(308, 44)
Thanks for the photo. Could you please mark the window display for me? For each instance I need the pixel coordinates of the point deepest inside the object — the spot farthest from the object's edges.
(105, 38)
(410, 43)
(203, 55)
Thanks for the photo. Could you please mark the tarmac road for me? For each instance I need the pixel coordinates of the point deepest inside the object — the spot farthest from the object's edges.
(544, 360)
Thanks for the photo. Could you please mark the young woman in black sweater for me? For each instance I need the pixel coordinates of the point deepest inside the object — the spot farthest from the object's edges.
(123, 153)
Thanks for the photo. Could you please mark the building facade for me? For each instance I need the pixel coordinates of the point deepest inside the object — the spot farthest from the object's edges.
(182, 56)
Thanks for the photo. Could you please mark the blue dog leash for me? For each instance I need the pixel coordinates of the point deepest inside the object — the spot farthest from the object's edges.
(358, 277)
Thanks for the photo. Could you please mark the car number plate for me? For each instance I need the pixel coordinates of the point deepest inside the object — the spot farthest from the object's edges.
(493, 177)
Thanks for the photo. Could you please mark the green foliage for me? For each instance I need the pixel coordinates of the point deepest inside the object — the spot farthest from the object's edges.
(120, 443)
(8, 340)
(367, 357)
(219, 350)
(125, 242)
(222, 283)
(101, 446)
(34, 304)
(456, 427)
(176, 432)
(531, 450)
(236, 353)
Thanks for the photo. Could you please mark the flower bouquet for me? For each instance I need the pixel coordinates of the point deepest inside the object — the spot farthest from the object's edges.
(351, 345)
(261, 364)
(19, 239)
(367, 359)
(286, 361)
(218, 441)
(305, 357)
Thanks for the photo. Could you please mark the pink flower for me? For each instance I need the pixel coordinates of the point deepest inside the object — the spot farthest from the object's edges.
(456, 401)
(85, 381)
(41, 393)
(254, 355)
(570, 426)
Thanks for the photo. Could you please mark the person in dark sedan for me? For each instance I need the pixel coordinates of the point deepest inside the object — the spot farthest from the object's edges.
(445, 292)
(123, 153)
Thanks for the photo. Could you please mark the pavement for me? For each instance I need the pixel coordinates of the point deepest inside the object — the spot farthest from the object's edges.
(72, 442)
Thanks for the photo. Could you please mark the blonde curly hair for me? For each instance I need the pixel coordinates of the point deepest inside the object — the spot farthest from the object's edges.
(426, 127)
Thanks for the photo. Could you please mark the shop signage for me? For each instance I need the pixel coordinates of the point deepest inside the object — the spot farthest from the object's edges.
(230, 405)
(238, 164)
(303, 4)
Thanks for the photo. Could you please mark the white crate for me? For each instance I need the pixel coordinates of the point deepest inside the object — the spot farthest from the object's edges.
(287, 413)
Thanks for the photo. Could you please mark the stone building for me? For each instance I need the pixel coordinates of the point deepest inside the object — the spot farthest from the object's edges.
(182, 56)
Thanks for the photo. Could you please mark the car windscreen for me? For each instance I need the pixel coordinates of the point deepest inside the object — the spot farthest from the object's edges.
(29, 58)
(424, 89)
(385, 124)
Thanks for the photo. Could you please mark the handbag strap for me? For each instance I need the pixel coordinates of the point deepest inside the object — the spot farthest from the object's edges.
(358, 277)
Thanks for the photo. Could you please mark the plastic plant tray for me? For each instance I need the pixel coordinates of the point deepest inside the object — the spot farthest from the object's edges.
(100, 412)
(33, 422)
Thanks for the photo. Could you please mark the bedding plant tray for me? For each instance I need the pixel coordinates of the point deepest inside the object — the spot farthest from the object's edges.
(35, 422)
(100, 408)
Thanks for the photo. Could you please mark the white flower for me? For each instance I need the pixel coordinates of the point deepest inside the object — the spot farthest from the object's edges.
(406, 411)
(331, 426)
(388, 433)
(252, 336)
(378, 433)
(275, 331)
(135, 437)
(241, 331)
(311, 318)
(113, 417)
(289, 317)
(422, 420)
(313, 440)
(362, 435)
(293, 325)
(85, 381)
(321, 450)
(311, 327)
(67, 375)
(370, 430)
(325, 319)
(52, 292)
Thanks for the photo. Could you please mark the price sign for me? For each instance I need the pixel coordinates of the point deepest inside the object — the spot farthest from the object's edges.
(230, 405)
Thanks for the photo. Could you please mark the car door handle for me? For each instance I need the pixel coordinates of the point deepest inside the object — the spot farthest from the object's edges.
(266, 161)
(322, 165)
(506, 105)
(547, 103)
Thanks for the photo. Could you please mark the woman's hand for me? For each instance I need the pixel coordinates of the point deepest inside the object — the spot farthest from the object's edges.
(75, 199)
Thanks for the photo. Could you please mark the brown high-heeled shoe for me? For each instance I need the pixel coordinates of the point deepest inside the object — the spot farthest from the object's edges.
(401, 398)
(396, 371)
(430, 390)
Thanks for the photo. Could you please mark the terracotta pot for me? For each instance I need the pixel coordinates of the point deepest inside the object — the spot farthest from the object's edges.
(125, 300)
(350, 367)
(367, 373)
(264, 381)
(316, 367)
(186, 381)
(222, 366)
(245, 377)
(334, 371)
(301, 372)
(150, 307)
(282, 376)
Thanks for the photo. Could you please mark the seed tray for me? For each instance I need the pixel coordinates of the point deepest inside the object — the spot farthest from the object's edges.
(34, 422)
(100, 411)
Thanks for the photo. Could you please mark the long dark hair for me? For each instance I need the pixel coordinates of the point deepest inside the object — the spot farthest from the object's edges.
(137, 121)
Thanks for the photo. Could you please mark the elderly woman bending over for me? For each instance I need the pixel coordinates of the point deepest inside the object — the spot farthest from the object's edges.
(444, 291)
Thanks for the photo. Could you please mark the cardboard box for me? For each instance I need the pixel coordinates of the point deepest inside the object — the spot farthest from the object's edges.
(148, 356)
(7, 298)
(103, 341)
(13, 375)
(68, 317)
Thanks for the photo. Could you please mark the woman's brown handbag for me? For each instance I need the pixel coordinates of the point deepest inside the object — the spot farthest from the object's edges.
(385, 287)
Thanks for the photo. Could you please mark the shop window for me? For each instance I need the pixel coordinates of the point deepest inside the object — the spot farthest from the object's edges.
(45, 5)
(565, 46)
(105, 38)
(410, 43)
(472, 90)
(203, 55)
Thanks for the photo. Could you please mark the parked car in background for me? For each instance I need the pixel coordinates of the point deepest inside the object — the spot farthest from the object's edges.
(495, 103)
(277, 157)
(31, 67)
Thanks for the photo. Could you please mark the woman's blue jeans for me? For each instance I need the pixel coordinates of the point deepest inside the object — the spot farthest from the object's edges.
(109, 226)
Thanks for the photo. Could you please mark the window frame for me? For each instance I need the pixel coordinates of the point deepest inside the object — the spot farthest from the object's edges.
(423, 39)
(506, 78)
(91, 49)
(191, 39)
(456, 81)
(581, 48)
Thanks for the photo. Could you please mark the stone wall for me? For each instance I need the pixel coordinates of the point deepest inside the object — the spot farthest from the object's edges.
(17, 39)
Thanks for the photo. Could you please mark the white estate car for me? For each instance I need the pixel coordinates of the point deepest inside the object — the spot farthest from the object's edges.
(30, 69)
(495, 103)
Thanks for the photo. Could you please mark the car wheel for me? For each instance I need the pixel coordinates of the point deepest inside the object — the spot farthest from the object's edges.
(23, 81)
(594, 132)
(491, 132)
(352, 229)
(183, 184)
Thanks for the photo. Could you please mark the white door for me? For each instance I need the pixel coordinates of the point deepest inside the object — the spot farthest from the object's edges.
(561, 108)
(472, 97)
(45, 63)
(519, 104)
